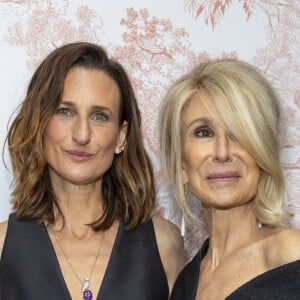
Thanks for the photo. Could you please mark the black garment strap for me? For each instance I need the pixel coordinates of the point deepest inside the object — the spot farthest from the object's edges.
(28, 266)
(185, 287)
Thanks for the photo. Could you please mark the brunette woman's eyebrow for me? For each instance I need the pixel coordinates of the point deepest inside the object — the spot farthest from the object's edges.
(67, 103)
(94, 108)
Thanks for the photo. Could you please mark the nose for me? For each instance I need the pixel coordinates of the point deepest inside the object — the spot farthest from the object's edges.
(222, 151)
(81, 132)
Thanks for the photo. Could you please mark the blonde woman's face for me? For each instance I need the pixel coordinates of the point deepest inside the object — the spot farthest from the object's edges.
(217, 168)
(80, 140)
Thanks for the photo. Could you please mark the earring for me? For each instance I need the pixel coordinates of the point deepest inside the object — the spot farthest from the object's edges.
(117, 151)
(121, 149)
(182, 225)
(259, 225)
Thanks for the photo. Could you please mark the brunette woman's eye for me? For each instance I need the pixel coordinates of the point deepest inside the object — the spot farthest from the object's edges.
(100, 116)
(64, 112)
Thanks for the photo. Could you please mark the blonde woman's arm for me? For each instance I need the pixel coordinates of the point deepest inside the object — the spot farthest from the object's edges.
(283, 247)
(288, 242)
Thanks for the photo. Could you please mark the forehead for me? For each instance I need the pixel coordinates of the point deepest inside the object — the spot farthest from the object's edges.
(201, 106)
(83, 85)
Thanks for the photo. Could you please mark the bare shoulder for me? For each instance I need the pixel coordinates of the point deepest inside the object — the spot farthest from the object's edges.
(163, 227)
(170, 246)
(168, 235)
(285, 245)
(3, 229)
(290, 240)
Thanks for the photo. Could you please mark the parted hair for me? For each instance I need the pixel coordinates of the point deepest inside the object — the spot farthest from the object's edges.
(250, 109)
(128, 186)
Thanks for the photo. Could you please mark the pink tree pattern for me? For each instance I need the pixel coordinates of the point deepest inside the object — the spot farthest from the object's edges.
(279, 59)
(155, 53)
(44, 26)
(14, 1)
(214, 10)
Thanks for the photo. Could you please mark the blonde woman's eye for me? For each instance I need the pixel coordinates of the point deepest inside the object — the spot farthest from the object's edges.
(203, 132)
(231, 136)
(64, 112)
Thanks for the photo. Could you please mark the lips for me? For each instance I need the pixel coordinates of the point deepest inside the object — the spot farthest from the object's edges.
(223, 176)
(79, 155)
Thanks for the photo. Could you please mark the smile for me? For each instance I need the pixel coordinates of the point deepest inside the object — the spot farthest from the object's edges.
(223, 177)
(79, 156)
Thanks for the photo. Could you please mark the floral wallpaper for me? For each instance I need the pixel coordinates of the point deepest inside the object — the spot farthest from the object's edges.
(158, 42)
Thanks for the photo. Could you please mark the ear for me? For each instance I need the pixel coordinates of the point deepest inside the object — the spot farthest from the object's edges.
(121, 141)
(185, 177)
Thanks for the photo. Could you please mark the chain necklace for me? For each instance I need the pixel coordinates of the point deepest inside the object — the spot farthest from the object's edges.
(85, 283)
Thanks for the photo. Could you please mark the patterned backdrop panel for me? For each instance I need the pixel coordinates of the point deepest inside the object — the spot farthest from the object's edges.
(157, 42)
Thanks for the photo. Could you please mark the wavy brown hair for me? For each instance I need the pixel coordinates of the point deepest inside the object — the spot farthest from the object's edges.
(128, 186)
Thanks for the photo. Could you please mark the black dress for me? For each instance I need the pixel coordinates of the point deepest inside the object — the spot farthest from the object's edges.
(279, 283)
(29, 269)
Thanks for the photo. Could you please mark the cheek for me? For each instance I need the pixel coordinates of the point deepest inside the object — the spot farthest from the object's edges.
(48, 138)
(193, 161)
(106, 139)
(186, 169)
(52, 137)
(48, 147)
(254, 179)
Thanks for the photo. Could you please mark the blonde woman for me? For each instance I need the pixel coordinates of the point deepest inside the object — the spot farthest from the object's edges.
(220, 128)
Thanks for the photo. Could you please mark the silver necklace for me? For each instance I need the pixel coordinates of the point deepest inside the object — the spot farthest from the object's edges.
(85, 283)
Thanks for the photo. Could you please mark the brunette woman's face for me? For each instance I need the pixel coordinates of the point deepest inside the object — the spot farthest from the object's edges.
(219, 171)
(80, 140)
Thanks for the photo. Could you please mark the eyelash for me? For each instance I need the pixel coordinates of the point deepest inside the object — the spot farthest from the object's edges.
(199, 132)
(102, 116)
(98, 116)
(64, 111)
(209, 133)
(231, 136)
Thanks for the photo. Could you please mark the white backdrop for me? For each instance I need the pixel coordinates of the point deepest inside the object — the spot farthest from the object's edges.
(157, 41)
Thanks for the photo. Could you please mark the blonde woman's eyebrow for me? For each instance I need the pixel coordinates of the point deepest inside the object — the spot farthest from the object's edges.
(204, 121)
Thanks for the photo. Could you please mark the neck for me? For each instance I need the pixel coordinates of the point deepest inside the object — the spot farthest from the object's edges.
(230, 230)
(79, 207)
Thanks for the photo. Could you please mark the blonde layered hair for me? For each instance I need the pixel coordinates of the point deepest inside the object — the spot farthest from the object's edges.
(250, 109)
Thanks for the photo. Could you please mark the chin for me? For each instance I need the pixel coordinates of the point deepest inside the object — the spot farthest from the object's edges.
(223, 204)
(80, 180)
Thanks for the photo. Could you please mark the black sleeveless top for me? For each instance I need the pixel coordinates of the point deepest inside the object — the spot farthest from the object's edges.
(29, 269)
(281, 283)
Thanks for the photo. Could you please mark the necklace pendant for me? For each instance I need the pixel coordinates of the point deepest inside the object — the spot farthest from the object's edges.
(87, 295)
(85, 285)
